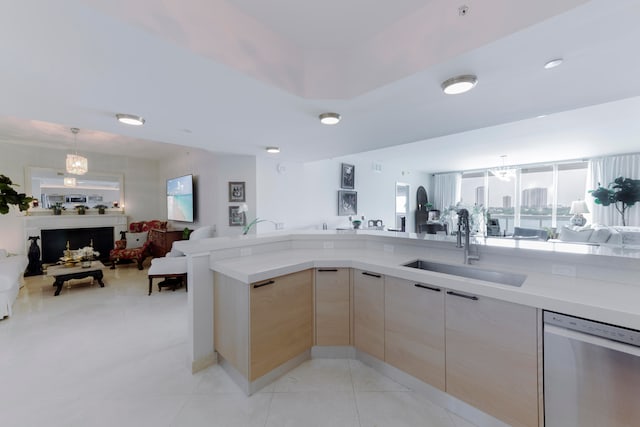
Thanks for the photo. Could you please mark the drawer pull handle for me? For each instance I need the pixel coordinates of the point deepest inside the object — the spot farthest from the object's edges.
(431, 288)
(270, 282)
(327, 269)
(371, 274)
(456, 294)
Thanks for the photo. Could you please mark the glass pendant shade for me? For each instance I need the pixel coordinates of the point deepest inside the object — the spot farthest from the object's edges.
(76, 164)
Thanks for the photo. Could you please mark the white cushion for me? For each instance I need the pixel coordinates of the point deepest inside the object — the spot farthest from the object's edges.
(168, 265)
(568, 234)
(136, 240)
(599, 235)
(201, 233)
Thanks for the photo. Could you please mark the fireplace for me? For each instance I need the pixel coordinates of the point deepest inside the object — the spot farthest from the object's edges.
(54, 242)
(55, 230)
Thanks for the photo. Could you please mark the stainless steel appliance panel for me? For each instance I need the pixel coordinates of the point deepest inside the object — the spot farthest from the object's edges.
(590, 380)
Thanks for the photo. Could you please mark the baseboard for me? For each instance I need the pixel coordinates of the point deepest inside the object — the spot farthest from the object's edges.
(333, 352)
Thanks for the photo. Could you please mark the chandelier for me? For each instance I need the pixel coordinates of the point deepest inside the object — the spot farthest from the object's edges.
(76, 164)
(503, 173)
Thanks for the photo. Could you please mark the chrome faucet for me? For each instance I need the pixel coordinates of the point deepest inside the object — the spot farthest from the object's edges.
(463, 224)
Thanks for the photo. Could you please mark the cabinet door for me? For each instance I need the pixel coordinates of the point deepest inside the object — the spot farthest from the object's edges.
(332, 306)
(368, 316)
(492, 357)
(414, 329)
(281, 319)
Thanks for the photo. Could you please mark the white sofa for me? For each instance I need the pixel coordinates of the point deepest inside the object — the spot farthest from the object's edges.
(11, 271)
(601, 234)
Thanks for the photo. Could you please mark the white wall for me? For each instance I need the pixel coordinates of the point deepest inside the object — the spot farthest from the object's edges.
(306, 195)
(140, 183)
(212, 173)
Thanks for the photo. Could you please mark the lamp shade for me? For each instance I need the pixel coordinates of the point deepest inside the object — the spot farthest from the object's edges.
(579, 207)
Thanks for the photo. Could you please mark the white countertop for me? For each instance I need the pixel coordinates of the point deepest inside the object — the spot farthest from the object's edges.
(611, 301)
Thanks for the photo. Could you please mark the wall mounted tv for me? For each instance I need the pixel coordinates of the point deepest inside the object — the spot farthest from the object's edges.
(180, 199)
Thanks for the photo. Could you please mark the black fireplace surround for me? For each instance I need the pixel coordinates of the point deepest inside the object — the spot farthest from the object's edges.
(54, 242)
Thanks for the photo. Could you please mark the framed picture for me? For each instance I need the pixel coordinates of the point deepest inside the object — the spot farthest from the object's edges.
(347, 176)
(236, 218)
(236, 192)
(347, 202)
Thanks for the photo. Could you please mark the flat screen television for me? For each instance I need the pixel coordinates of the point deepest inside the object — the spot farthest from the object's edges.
(180, 199)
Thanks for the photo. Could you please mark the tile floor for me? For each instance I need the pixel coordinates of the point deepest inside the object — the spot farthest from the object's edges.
(114, 356)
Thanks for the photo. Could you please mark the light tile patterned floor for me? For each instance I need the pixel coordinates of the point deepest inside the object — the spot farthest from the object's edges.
(114, 356)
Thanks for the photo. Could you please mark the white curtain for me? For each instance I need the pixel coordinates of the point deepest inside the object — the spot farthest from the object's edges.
(447, 190)
(604, 171)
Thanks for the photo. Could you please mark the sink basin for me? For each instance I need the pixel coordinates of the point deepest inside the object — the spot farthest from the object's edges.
(512, 279)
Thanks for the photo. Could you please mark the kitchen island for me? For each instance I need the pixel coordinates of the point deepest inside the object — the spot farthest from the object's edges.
(595, 282)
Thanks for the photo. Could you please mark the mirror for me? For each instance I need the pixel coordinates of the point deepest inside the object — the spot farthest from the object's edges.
(94, 188)
(402, 205)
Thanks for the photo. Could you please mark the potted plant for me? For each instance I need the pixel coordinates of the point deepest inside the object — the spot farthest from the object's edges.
(9, 196)
(101, 209)
(82, 209)
(622, 193)
(57, 208)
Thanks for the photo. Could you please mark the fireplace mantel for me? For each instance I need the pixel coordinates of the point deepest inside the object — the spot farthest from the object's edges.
(34, 224)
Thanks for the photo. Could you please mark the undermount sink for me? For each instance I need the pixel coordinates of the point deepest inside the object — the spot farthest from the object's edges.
(512, 279)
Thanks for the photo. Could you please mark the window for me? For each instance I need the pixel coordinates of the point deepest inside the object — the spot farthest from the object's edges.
(539, 196)
(536, 197)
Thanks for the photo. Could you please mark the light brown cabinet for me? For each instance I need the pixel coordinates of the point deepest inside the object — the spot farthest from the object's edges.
(368, 312)
(414, 329)
(333, 304)
(281, 321)
(492, 356)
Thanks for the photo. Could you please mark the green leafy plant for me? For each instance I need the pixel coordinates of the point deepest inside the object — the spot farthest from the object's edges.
(101, 208)
(9, 196)
(622, 193)
(81, 209)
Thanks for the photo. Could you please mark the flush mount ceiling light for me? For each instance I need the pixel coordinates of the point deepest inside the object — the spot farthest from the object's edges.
(273, 150)
(503, 173)
(329, 118)
(459, 84)
(553, 63)
(130, 119)
(76, 164)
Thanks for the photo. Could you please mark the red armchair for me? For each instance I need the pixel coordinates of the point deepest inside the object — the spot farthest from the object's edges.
(139, 245)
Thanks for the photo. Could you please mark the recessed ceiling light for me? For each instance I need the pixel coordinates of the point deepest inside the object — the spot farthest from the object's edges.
(553, 63)
(459, 84)
(329, 118)
(273, 150)
(130, 119)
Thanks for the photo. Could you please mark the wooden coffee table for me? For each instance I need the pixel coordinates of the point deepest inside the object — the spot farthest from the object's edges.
(62, 274)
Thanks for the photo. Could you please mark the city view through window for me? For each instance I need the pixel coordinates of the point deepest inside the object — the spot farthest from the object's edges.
(537, 197)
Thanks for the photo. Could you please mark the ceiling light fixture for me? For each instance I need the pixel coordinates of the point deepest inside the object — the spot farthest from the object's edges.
(503, 173)
(329, 118)
(459, 84)
(553, 63)
(130, 119)
(69, 181)
(273, 150)
(76, 164)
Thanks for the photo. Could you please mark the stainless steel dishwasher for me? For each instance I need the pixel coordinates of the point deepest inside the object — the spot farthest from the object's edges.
(591, 373)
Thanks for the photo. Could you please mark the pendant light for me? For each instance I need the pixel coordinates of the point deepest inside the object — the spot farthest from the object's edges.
(76, 165)
(503, 173)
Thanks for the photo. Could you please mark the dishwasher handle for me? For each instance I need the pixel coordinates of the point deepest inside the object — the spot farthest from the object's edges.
(592, 339)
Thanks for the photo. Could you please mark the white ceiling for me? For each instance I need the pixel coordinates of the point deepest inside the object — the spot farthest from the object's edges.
(236, 76)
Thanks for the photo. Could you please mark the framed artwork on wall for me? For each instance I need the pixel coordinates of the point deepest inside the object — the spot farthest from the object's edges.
(347, 203)
(347, 176)
(236, 218)
(236, 192)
